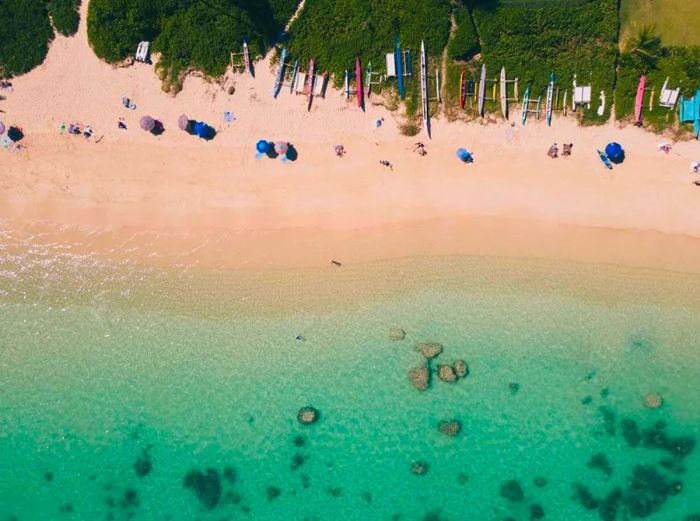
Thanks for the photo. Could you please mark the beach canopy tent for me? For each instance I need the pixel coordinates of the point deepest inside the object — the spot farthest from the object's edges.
(464, 155)
(203, 131)
(15, 134)
(615, 153)
(147, 123)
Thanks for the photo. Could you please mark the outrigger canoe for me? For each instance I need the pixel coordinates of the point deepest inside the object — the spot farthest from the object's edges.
(309, 87)
(550, 100)
(639, 100)
(293, 77)
(358, 83)
(280, 74)
(482, 90)
(504, 93)
(398, 59)
(246, 58)
(424, 87)
(463, 88)
(526, 103)
(605, 159)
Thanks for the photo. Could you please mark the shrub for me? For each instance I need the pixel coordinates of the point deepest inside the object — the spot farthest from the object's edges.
(465, 42)
(65, 16)
(25, 34)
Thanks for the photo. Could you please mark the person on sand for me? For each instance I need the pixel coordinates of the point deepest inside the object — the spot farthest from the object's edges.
(566, 149)
(664, 147)
(695, 167)
(87, 132)
(553, 151)
(121, 125)
(420, 148)
(339, 150)
(386, 163)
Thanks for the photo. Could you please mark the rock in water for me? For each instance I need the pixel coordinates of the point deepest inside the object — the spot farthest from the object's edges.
(419, 377)
(307, 415)
(143, 465)
(429, 349)
(512, 491)
(446, 373)
(419, 468)
(396, 333)
(206, 486)
(600, 461)
(513, 387)
(653, 400)
(461, 368)
(450, 427)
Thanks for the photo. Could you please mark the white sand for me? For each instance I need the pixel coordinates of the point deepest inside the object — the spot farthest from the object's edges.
(217, 194)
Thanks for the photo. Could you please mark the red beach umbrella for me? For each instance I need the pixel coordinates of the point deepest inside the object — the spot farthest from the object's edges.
(147, 123)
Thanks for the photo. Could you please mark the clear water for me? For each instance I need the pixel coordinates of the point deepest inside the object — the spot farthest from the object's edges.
(105, 364)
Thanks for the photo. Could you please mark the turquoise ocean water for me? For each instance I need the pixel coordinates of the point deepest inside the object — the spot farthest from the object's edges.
(134, 393)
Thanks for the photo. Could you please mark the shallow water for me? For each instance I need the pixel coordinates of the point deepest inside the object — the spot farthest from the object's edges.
(181, 370)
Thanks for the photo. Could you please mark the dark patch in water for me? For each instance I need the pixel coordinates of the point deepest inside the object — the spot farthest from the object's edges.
(608, 420)
(630, 432)
(590, 376)
(513, 387)
(251, 420)
(639, 343)
(367, 496)
(66, 509)
(143, 465)
(609, 506)
(673, 465)
(604, 393)
(584, 496)
(647, 491)
(335, 491)
(512, 491)
(692, 517)
(600, 461)
(434, 515)
(130, 499)
(110, 502)
(540, 481)
(656, 438)
(305, 480)
(273, 492)
(245, 509)
(48, 476)
(462, 478)
(536, 511)
(232, 497)
(396, 517)
(299, 441)
(587, 400)
(206, 486)
(297, 461)
(230, 474)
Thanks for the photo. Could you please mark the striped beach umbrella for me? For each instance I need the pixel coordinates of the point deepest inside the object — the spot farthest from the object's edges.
(281, 147)
(147, 123)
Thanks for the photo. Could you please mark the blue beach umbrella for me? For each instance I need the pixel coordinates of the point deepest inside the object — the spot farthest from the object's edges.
(615, 153)
(262, 146)
(464, 155)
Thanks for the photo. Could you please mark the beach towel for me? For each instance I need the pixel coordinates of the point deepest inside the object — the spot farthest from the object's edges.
(229, 117)
(5, 142)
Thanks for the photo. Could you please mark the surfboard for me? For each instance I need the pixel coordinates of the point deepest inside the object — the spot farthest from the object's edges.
(482, 90)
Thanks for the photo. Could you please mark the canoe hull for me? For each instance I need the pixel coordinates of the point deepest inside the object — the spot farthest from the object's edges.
(424, 88)
(463, 89)
(639, 99)
(482, 90)
(358, 83)
(504, 93)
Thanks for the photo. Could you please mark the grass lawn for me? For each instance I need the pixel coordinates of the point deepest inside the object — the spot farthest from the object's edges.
(677, 21)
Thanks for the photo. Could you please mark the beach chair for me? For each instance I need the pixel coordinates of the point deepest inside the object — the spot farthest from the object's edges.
(142, 52)
(668, 97)
(390, 65)
(300, 82)
(582, 96)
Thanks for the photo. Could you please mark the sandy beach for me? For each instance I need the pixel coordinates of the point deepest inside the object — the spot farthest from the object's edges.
(214, 203)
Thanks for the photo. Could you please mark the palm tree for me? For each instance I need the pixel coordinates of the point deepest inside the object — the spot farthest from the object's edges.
(645, 46)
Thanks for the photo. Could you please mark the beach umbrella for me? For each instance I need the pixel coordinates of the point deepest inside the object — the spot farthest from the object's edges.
(147, 123)
(14, 134)
(2, 127)
(464, 155)
(182, 122)
(615, 152)
(281, 147)
(262, 146)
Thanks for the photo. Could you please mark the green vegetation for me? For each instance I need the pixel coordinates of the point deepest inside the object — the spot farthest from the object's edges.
(25, 31)
(189, 34)
(531, 42)
(65, 16)
(676, 21)
(464, 43)
(333, 32)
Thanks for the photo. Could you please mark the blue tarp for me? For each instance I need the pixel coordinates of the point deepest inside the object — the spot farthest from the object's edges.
(615, 153)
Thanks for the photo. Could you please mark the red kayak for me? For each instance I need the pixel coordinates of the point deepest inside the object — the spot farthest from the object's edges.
(358, 83)
(463, 89)
(640, 99)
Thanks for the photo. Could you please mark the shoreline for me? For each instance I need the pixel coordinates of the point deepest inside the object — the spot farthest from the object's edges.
(213, 204)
